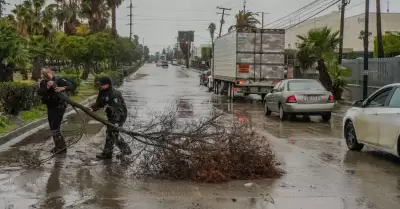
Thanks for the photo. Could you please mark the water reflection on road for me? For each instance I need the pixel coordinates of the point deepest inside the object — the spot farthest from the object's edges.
(320, 172)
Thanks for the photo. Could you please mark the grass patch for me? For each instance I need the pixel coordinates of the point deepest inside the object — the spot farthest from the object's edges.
(6, 125)
(34, 114)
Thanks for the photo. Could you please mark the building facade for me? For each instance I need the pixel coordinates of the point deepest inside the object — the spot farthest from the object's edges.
(352, 27)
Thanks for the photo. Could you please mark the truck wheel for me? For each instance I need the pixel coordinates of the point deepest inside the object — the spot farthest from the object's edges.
(326, 117)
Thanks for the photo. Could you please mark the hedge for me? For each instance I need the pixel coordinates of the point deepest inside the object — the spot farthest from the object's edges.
(18, 96)
(117, 77)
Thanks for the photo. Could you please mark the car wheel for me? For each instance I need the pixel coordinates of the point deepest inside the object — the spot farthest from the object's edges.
(266, 110)
(326, 117)
(351, 137)
(282, 115)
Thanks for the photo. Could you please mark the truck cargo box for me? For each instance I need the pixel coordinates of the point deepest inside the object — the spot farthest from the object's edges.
(254, 55)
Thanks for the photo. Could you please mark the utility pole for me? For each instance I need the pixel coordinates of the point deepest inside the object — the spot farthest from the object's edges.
(379, 40)
(366, 32)
(342, 10)
(222, 18)
(262, 18)
(244, 6)
(130, 20)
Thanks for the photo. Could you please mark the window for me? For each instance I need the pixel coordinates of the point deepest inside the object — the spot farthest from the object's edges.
(379, 99)
(395, 100)
(305, 85)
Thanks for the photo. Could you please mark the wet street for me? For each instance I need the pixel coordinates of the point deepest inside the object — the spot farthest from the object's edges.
(320, 171)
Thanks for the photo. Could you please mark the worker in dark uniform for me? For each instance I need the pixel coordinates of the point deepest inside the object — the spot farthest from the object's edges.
(49, 89)
(117, 114)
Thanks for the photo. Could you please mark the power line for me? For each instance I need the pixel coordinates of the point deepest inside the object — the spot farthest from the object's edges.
(305, 15)
(315, 7)
(329, 6)
(323, 17)
(295, 12)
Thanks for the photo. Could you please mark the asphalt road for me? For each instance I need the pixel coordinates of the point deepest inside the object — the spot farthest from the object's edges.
(320, 171)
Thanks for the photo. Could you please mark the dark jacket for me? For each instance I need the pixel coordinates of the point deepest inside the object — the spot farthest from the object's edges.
(116, 108)
(49, 97)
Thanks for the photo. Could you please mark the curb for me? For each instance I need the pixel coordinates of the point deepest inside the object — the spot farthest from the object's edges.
(31, 128)
(23, 132)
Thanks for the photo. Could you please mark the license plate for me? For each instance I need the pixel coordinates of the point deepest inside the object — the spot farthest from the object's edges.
(312, 98)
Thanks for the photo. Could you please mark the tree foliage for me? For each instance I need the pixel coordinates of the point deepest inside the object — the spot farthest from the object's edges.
(391, 45)
(313, 46)
(34, 30)
(245, 19)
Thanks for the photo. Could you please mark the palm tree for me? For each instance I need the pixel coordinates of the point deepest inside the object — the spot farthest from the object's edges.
(66, 13)
(33, 18)
(362, 34)
(379, 29)
(245, 20)
(97, 13)
(312, 46)
(211, 28)
(114, 4)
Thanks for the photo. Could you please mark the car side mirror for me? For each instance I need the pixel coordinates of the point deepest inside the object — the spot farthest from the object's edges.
(358, 103)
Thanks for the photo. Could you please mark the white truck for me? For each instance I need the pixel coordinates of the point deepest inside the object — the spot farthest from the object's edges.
(248, 61)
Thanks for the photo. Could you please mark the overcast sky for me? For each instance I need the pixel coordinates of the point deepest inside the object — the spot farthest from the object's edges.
(158, 21)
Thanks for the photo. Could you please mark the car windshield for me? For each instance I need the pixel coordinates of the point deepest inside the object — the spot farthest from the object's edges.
(305, 85)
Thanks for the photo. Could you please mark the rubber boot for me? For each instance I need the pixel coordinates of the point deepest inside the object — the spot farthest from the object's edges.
(104, 156)
(59, 142)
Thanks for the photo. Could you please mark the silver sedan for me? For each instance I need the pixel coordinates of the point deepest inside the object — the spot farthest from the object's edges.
(299, 97)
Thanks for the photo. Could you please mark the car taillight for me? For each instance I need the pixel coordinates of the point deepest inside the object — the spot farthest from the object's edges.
(331, 99)
(291, 99)
(275, 83)
(206, 77)
(241, 82)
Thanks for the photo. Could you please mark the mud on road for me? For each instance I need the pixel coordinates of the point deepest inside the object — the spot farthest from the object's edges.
(320, 172)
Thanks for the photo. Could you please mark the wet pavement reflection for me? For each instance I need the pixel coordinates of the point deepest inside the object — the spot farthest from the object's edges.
(320, 171)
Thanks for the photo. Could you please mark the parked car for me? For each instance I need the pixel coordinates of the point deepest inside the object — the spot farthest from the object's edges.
(299, 97)
(164, 64)
(204, 77)
(375, 121)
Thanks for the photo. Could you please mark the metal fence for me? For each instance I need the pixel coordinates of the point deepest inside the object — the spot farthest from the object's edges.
(381, 72)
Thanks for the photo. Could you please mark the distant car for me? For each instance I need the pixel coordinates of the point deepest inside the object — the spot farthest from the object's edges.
(204, 77)
(164, 64)
(375, 121)
(158, 64)
(299, 97)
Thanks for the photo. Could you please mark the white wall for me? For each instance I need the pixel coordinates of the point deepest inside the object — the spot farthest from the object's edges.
(352, 27)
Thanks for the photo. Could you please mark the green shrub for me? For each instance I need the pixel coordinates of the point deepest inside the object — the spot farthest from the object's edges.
(131, 69)
(4, 120)
(18, 96)
(117, 78)
(70, 71)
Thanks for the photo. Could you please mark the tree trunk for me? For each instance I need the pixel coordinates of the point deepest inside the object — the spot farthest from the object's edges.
(379, 30)
(6, 73)
(85, 73)
(324, 75)
(36, 70)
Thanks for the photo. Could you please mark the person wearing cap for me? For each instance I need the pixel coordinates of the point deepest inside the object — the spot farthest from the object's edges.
(49, 89)
(117, 114)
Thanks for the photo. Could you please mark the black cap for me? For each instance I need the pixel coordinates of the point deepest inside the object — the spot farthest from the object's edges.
(104, 80)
